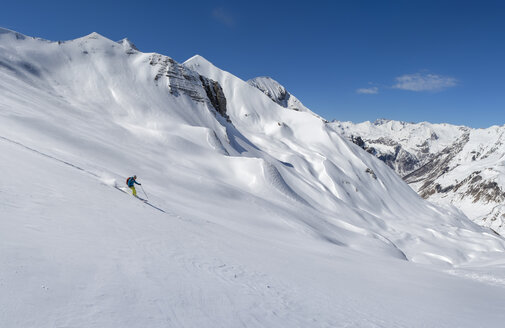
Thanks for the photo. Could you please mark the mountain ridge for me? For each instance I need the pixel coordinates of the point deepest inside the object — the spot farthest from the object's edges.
(433, 163)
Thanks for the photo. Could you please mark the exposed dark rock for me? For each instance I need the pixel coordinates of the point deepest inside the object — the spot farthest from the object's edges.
(358, 141)
(371, 172)
(424, 148)
(474, 177)
(406, 162)
(384, 141)
(437, 188)
(130, 48)
(389, 159)
(216, 96)
(399, 160)
(371, 150)
(487, 191)
(181, 80)
(437, 166)
(472, 186)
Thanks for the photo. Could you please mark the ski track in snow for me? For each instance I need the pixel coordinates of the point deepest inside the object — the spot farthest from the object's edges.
(84, 171)
(48, 156)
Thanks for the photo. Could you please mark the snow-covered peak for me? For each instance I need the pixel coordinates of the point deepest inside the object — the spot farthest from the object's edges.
(198, 60)
(94, 41)
(11, 34)
(7, 31)
(385, 121)
(278, 93)
(94, 35)
(128, 46)
(271, 88)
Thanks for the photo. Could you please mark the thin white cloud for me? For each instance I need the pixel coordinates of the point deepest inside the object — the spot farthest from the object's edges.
(424, 82)
(368, 91)
(223, 16)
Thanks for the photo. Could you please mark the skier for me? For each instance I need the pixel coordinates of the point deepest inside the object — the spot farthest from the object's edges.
(131, 184)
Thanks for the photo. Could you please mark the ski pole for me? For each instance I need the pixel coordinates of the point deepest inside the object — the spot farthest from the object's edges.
(144, 191)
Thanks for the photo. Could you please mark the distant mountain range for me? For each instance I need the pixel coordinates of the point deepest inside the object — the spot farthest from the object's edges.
(444, 163)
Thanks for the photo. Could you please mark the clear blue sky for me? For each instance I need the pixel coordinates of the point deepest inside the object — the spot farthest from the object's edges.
(437, 61)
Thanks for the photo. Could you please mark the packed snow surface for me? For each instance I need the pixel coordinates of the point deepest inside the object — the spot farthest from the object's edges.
(269, 220)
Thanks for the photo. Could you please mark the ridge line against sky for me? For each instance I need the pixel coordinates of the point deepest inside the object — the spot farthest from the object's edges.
(436, 61)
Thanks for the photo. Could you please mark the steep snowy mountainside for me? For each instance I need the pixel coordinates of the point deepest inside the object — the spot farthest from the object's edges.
(278, 93)
(243, 194)
(444, 163)
(275, 91)
(318, 166)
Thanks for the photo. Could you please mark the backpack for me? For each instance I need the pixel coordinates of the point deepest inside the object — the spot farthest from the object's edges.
(128, 181)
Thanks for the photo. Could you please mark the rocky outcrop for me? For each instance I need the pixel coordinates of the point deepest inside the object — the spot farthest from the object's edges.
(278, 93)
(275, 91)
(397, 158)
(128, 46)
(480, 189)
(181, 80)
(177, 78)
(215, 95)
(371, 172)
(437, 165)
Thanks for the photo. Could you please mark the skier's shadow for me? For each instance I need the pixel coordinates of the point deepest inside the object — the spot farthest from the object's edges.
(157, 208)
(142, 199)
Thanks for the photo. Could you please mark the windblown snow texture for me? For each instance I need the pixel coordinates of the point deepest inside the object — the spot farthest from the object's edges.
(265, 217)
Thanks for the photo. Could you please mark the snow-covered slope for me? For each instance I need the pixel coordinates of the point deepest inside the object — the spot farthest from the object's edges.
(278, 93)
(258, 216)
(275, 91)
(445, 163)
